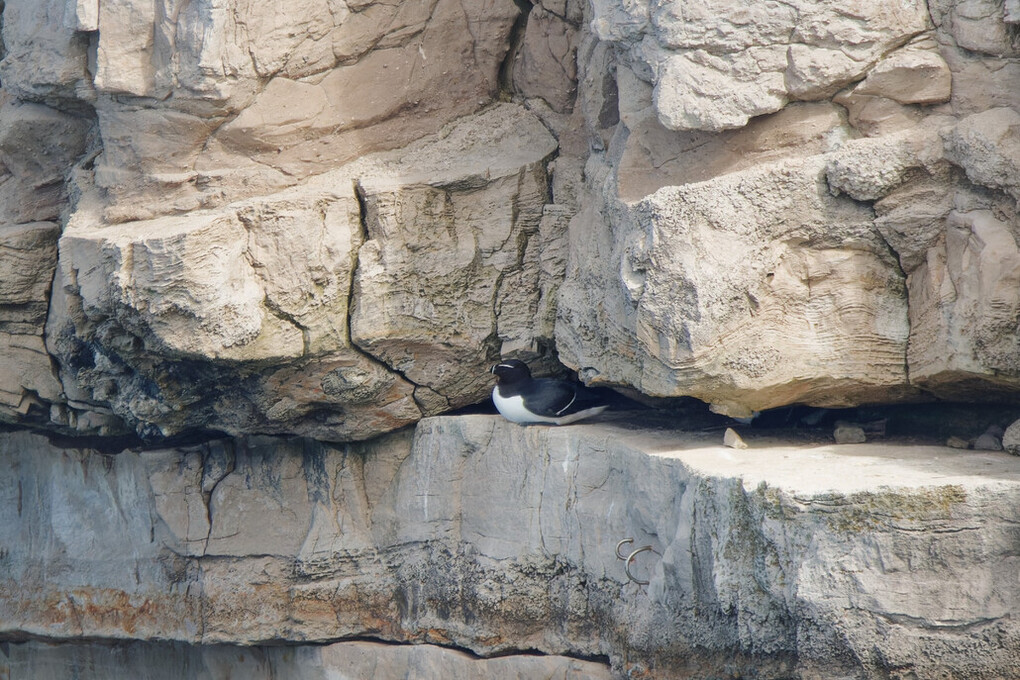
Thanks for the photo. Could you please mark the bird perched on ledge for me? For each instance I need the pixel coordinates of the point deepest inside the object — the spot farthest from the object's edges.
(523, 399)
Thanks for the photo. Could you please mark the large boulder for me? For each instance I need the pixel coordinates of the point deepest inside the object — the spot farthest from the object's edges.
(752, 250)
(240, 99)
(715, 66)
(329, 309)
(741, 292)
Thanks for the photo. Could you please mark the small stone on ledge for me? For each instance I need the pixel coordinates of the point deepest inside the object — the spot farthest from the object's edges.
(733, 440)
(848, 433)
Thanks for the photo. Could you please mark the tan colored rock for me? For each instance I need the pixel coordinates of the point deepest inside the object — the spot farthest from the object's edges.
(910, 76)
(739, 299)
(125, 56)
(870, 168)
(733, 440)
(1011, 438)
(436, 310)
(816, 73)
(191, 249)
(987, 146)
(702, 91)
(183, 285)
(874, 116)
(654, 157)
(262, 99)
(912, 216)
(716, 65)
(963, 342)
(180, 311)
(183, 310)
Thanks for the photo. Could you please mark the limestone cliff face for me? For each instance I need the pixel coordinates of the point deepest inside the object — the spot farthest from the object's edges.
(328, 222)
(302, 236)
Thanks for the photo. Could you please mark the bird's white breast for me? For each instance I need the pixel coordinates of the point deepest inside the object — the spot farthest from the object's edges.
(512, 408)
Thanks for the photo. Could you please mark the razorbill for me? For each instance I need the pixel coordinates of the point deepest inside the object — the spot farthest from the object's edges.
(523, 399)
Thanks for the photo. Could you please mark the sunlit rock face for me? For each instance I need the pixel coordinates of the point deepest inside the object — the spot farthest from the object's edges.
(797, 204)
(329, 222)
(297, 239)
(326, 222)
(329, 309)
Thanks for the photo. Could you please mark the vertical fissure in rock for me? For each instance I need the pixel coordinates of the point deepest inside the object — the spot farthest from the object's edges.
(359, 195)
(363, 210)
(217, 464)
(895, 256)
(514, 45)
(3, 45)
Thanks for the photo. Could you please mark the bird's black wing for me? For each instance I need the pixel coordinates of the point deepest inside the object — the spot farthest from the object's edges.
(556, 398)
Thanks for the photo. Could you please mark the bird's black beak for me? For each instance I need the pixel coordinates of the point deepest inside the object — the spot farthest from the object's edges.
(492, 369)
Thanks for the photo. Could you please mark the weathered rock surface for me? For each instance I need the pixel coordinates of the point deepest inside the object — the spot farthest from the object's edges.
(779, 560)
(1011, 438)
(710, 247)
(160, 321)
(714, 66)
(324, 223)
(214, 103)
(327, 222)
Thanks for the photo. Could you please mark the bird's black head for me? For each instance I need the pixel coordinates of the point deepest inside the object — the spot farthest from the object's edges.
(511, 371)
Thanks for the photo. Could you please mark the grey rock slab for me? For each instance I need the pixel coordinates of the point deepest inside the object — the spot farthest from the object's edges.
(339, 661)
(785, 559)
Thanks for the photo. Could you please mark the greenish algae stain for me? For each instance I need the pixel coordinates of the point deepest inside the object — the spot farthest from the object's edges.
(866, 510)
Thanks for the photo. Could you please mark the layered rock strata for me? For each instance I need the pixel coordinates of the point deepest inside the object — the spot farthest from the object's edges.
(476, 533)
(295, 235)
(338, 661)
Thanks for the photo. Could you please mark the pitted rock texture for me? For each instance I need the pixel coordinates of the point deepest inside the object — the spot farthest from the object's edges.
(778, 560)
(239, 251)
(223, 221)
(328, 222)
(708, 252)
(160, 322)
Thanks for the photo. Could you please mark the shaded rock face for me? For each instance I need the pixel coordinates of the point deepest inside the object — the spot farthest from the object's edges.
(483, 535)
